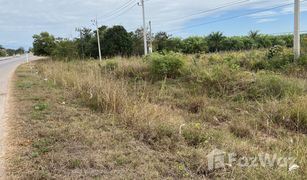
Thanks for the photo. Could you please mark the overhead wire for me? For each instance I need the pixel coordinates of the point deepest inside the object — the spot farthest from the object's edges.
(232, 17)
(227, 5)
(119, 11)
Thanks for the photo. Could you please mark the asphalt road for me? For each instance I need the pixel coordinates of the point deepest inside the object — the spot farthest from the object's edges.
(7, 68)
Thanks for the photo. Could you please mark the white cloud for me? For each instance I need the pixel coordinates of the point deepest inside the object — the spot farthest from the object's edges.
(265, 20)
(61, 17)
(265, 14)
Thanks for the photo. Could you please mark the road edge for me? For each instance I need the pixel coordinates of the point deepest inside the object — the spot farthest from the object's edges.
(6, 138)
(4, 134)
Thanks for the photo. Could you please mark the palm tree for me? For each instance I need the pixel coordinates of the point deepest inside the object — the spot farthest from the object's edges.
(254, 34)
(255, 37)
(215, 41)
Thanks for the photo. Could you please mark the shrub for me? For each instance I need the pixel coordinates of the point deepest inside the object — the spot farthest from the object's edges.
(215, 59)
(275, 51)
(279, 57)
(134, 68)
(111, 65)
(169, 65)
(223, 80)
(194, 45)
(274, 86)
(195, 134)
(302, 61)
(281, 61)
(2, 53)
(65, 50)
(295, 117)
(259, 65)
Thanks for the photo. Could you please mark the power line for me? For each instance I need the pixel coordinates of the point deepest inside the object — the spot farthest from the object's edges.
(110, 13)
(209, 10)
(119, 11)
(205, 11)
(232, 17)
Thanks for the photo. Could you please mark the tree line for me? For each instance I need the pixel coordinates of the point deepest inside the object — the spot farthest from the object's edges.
(10, 52)
(117, 40)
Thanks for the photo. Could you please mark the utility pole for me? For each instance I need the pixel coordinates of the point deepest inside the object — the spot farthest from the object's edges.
(95, 23)
(150, 36)
(297, 42)
(144, 26)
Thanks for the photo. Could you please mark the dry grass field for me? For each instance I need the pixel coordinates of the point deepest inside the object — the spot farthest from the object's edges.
(125, 119)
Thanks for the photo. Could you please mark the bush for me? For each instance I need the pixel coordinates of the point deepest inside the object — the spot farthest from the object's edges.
(65, 49)
(2, 53)
(126, 68)
(259, 65)
(169, 65)
(294, 118)
(111, 65)
(221, 80)
(281, 61)
(215, 59)
(279, 57)
(194, 45)
(269, 85)
(275, 51)
(195, 134)
(302, 61)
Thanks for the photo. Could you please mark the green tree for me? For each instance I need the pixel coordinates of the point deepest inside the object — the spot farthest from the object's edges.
(233, 44)
(20, 50)
(65, 49)
(10, 52)
(264, 41)
(137, 42)
(2, 52)
(43, 44)
(215, 40)
(254, 35)
(248, 43)
(174, 44)
(194, 45)
(92, 48)
(160, 41)
(85, 43)
(288, 39)
(116, 41)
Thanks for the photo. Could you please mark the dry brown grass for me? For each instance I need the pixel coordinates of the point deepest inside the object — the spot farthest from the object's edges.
(118, 124)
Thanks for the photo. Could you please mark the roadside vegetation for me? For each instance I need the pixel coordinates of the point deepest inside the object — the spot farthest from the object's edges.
(10, 52)
(159, 117)
(117, 41)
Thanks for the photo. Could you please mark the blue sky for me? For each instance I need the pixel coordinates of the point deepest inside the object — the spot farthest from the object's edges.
(282, 23)
(21, 19)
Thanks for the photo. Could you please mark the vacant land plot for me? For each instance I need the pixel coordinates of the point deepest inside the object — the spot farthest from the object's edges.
(160, 117)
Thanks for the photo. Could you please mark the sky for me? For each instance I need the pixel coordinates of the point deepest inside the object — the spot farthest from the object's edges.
(21, 19)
